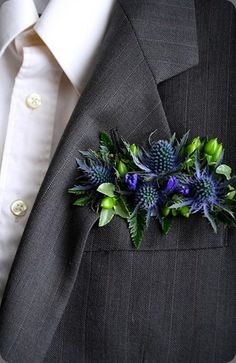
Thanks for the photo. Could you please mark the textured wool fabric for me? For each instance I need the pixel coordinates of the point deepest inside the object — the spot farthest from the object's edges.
(79, 293)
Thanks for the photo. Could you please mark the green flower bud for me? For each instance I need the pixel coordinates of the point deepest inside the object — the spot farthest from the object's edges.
(122, 168)
(195, 144)
(232, 193)
(134, 149)
(184, 211)
(216, 155)
(211, 147)
(165, 211)
(174, 212)
(108, 202)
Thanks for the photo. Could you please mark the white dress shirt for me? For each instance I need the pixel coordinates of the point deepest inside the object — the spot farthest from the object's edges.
(45, 63)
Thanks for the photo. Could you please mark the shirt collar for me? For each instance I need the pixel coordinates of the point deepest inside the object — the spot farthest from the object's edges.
(15, 16)
(72, 32)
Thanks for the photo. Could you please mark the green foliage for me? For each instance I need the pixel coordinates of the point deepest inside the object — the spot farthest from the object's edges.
(106, 216)
(225, 170)
(166, 224)
(137, 223)
(231, 193)
(165, 211)
(185, 211)
(107, 189)
(83, 200)
(121, 209)
(76, 191)
(106, 146)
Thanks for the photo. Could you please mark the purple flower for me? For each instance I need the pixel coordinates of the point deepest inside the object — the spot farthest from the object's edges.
(184, 190)
(131, 180)
(171, 184)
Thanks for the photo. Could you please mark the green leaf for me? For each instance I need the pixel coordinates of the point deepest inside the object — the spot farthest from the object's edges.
(76, 191)
(121, 209)
(107, 189)
(137, 223)
(84, 200)
(226, 218)
(106, 146)
(224, 170)
(106, 141)
(166, 224)
(208, 158)
(189, 162)
(106, 216)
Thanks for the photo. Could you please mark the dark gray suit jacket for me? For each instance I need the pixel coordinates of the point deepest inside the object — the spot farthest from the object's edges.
(79, 293)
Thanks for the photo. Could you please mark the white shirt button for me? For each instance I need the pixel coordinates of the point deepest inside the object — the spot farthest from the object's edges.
(33, 101)
(19, 208)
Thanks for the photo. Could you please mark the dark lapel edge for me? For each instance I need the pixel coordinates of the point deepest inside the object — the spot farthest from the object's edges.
(122, 92)
(167, 34)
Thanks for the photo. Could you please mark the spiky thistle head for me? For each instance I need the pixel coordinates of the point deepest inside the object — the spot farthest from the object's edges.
(162, 158)
(204, 190)
(95, 171)
(206, 194)
(147, 196)
(99, 174)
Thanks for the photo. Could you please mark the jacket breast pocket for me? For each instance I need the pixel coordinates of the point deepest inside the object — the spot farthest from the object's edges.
(192, 233)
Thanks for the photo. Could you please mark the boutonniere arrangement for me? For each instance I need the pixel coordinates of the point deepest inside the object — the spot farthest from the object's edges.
(171, 178)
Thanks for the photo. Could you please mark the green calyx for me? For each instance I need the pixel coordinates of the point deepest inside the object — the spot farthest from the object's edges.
(134, 149)
(165, 211)
(184, 211)
(122, 168)
(216, 155)
(213, 151)
(211, 147)
(231, 193)
(195, 144)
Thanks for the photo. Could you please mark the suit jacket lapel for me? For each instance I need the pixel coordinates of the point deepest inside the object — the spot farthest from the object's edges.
(122, 93)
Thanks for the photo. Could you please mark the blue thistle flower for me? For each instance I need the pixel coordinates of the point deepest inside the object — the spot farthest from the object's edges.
(161, 158)
(204, 193)
(94, 173)
(147, 196)
(204, 190)
(99, 174)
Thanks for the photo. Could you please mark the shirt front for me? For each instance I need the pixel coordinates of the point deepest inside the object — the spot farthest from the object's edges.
(45, 63)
